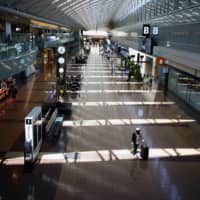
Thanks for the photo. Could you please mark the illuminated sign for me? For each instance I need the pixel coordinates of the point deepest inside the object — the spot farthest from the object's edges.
(61, 60)
(61, 70)
(61, 50)
(155, 30)
(146, 29)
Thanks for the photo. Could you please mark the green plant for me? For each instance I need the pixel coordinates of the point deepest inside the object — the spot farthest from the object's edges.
(137, 73)
(134, 69)
(131, 68)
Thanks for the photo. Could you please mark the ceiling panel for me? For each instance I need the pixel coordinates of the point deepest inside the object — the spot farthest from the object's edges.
(96, 14)
(90, 14)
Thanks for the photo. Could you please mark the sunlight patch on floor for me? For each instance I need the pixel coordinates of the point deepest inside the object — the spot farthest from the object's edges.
(16, 158)
(121, 103)
(121, 122)
(112, 91)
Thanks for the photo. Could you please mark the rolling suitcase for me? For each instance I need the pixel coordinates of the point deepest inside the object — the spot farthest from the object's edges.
(144, 152)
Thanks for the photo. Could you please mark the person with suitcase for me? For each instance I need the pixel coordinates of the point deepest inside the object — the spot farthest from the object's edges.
(136, 140)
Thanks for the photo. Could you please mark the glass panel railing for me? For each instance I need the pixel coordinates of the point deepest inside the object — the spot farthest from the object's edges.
(18, 44)
(10, 67)
(195, 99)
(56, 36)
(186, 87)
(21, 43)
(56, 39)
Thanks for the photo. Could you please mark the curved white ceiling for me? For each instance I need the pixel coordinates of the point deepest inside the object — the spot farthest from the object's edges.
(90, 14)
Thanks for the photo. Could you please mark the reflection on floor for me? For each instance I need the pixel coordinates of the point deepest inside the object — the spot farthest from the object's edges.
(92, 159)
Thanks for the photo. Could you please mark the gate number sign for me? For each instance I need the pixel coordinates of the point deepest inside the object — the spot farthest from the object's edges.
(146, 29)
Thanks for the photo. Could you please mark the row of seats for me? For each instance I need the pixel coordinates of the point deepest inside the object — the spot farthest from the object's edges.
(75, 82)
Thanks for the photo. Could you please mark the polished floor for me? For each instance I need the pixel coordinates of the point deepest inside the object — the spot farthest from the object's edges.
(92, 159)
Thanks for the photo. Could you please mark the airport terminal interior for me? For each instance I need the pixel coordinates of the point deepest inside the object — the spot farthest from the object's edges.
(100, 99)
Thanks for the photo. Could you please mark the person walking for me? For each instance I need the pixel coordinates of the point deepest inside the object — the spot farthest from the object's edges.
(136, 140)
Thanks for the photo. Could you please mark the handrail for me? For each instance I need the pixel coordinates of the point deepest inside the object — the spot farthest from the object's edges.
(20, 55)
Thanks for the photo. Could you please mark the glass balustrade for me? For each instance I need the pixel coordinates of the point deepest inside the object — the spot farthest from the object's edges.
(50, 39)
(18, 44)
(22, 43)
(186, 87)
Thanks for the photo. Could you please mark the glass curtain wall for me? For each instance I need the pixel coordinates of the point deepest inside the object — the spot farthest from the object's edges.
(142, 10)
(186, 87)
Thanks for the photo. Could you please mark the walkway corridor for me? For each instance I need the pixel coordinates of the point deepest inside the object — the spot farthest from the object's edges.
(92, 159)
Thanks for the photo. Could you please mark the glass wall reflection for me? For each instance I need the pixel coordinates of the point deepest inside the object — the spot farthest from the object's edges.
(186, 87)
